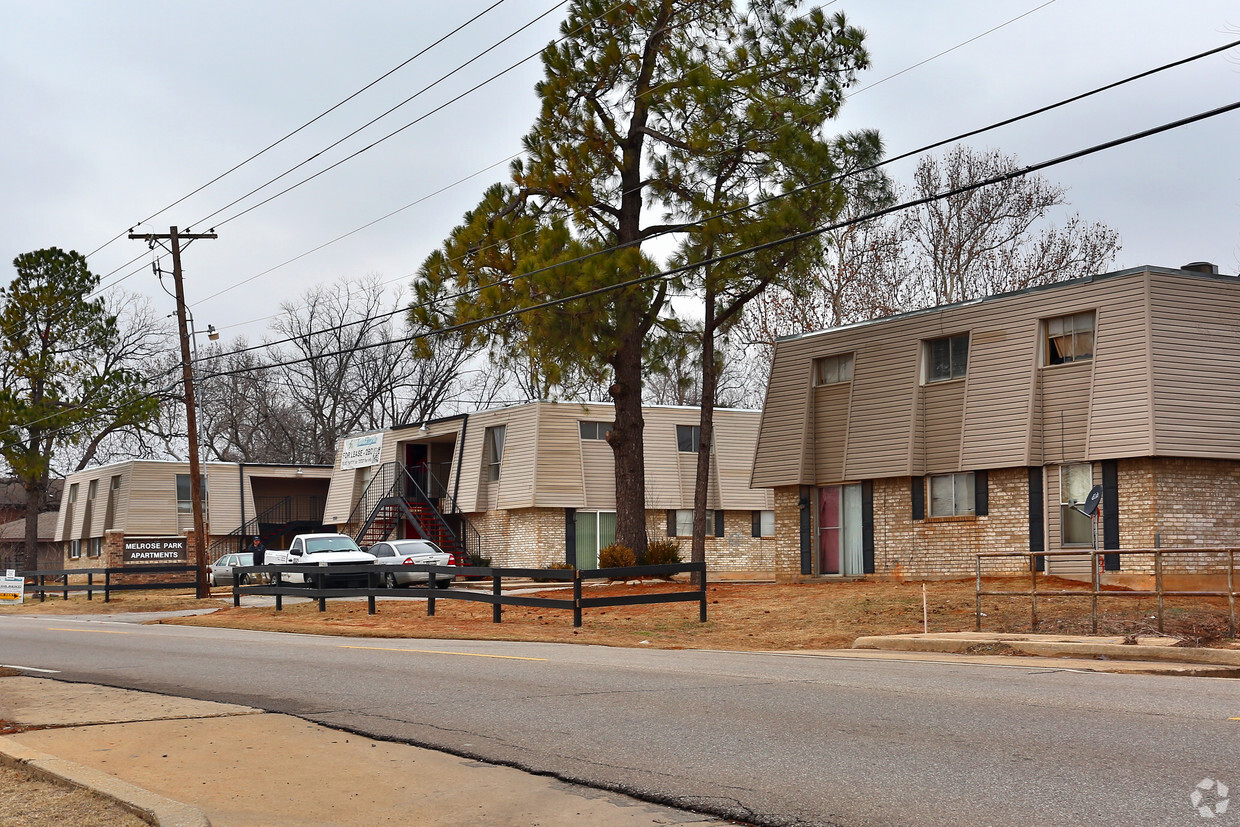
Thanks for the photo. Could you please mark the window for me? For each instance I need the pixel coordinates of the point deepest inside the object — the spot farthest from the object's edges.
(1070, 338)
(682, 523)
(495, 450)
(92, 490)
(687, 438)
(832, 370)
(1074, 484)
(763, 524)
(840, 543)
(952, 495)
(75, 549)
(73, 493)
(185, 498)
(94, 547)
(594, 430)
(947, 358)
(594, 530)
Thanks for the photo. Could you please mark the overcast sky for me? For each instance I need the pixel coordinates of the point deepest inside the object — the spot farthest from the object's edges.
(115, 110)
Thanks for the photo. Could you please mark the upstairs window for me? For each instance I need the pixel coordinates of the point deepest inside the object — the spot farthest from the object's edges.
(1070, 338)
(92, 490)
(495, 450)
(185, 498)
(594, 430)
(688, 437)
(947, 358)
(833, 370)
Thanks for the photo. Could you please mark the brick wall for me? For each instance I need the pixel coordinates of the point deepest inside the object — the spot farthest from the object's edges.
(737, 550)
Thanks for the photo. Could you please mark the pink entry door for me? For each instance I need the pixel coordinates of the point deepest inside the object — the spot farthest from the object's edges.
(839, 530)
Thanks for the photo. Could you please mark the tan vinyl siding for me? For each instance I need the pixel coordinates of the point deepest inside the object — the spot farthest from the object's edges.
(939, 427)
(831, 404)
(518, 473)
(781, 436)
(1196, 371)
(999, 397)
(664, 480)
(224, 498)
(735, 436)
(885, 381)
(598, 475)
(1065, 411)
(1119, 415)
(152, 499)
(561, 455)
(470, 496)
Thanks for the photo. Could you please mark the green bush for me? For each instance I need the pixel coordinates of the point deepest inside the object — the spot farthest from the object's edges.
(662, 552)
(616, 556)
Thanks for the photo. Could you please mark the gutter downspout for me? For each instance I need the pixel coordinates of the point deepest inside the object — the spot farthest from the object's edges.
(460, 456)
(241, 488)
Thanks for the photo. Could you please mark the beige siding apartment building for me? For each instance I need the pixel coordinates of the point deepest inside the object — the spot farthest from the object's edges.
(534, 484)
(903, 446)
(102, 506)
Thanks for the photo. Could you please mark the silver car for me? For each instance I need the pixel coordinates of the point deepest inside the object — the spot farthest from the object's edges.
(220, 573)
(394, 555)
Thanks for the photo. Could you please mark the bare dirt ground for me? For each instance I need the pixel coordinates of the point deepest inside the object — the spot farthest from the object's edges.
(745, 617)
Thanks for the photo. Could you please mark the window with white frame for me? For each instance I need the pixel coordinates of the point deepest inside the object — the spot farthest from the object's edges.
(684, 523)
(952, 495)
(495, 450)
(1075, 481)
(594, 430)
(75, 549)
(185, 495)
(94, 547)
(833, 370)
(1070, 338)
(763, 524)
(946, 358)
(688, 438)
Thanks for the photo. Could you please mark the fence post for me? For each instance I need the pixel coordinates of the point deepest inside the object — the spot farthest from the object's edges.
(1093, 598)
(278, 579)
(978, 612)
(576, 598)
(236, 591)
(107, 585)
(1158, 586)
(64, 593)
(371, 585)
(431, 580)
(1033, 592)
(702, 594)
(318, 587)
(1231, 592)
(90, 581)
(496, 609)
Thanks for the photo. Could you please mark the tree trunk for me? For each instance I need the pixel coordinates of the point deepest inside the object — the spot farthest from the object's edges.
(34, 499)
(710, 380)
(627, 446)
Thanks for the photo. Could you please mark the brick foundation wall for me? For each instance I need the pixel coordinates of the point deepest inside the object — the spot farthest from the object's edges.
(736, 550)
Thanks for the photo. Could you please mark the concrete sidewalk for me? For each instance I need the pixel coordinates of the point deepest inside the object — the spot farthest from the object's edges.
(1144, 655)
(193, 763)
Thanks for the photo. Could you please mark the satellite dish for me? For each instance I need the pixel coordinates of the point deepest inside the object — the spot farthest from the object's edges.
(1091, 501)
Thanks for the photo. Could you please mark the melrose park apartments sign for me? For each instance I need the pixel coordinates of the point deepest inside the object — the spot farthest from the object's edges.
(140, 550)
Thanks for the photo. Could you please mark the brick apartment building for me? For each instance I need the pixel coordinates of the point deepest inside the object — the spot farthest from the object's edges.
(903, 446)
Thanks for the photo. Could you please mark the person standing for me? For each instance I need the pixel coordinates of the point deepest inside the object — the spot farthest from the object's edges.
(259, 552)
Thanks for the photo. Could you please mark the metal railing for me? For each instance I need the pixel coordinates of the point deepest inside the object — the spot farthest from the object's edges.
(272, 511)
(1095, 582)
(430, 592)
(394, 481)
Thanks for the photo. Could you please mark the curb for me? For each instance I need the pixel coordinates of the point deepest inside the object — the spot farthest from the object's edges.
(1031, 645)
(148, 806)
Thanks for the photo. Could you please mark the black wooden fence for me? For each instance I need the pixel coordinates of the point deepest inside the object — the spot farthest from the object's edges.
(57, 580)
(372, 575)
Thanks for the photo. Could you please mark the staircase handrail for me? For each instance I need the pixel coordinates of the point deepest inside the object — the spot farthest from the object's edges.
(472, 542)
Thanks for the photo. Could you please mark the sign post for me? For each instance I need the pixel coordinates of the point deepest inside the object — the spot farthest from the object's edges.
(12, 588)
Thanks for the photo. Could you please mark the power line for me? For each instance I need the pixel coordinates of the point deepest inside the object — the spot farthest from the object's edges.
(664, 274)
(308, 123)
(778, 196)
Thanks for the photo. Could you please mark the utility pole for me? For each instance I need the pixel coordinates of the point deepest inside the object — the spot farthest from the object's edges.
(191, 415)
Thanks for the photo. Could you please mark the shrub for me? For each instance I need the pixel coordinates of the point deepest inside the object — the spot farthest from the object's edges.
(560, 566)
(662, 552)
(616, 556)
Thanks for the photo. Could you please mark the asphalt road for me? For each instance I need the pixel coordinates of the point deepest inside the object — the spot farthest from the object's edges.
(765, 738)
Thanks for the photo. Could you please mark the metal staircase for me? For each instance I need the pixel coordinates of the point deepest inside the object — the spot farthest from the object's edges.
(277, 517)
(393, 495)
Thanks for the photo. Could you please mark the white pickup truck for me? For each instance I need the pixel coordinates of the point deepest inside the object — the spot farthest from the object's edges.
(318, 550)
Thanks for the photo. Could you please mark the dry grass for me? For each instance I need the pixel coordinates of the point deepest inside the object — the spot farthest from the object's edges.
(30, 801)
(747, 617)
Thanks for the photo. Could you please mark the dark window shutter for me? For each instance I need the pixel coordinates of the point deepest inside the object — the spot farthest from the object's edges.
(1037, 536)
(570, 536)
(755, 524)
(919, 498)
(981, 494)
(867, 526)
(671, 522)
(719, 522)
(1110, 513)
(807, 563)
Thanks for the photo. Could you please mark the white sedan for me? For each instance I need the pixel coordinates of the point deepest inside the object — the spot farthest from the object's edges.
(396, 554)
